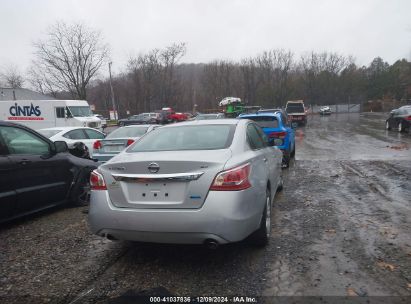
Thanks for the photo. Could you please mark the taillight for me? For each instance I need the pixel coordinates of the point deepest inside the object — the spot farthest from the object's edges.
(408, 118)
(97, 145)
(129, 142)
(97, 181)
(232, 180)
(280, 135)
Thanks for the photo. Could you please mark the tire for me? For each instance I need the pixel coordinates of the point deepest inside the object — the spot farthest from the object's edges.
(400, 127)
(280, 185)
(286, 160)
(80, 195)
(387, 126)
(293, 151)
(261, 236)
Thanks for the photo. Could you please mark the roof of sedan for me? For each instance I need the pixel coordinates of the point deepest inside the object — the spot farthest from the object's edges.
(259, 114)
(229, 121)
(139, 126)
(66, 128)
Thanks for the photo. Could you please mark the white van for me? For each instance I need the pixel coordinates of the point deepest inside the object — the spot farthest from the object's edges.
(40, 114)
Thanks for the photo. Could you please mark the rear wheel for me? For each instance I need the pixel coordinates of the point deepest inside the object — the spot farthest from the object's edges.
(286, 160)
(387, 126)
(400, 127)
(262, 235)
(293, 151)
(280, 184)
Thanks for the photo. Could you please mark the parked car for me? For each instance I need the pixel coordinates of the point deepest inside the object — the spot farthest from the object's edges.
(118, 140)
(36, 173)
(72, 135)
(296, 112)
(173, 116)
(325, 110)
(143, 118)
(278, 131)
(209, 116)
(199, 182)
(103, 120)
(399, 119)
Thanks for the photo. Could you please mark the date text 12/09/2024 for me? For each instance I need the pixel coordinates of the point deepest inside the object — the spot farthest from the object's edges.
(234, 299)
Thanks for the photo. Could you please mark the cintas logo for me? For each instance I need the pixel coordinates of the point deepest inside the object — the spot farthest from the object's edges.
(30, 112)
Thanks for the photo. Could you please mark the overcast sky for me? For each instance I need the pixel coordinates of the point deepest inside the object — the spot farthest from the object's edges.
(227, 29)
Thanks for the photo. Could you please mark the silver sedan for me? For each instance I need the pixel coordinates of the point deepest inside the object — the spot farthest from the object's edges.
(205, 181)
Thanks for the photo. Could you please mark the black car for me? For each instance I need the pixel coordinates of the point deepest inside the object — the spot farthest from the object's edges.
(140, 119)
(36, 173)
(399, 119)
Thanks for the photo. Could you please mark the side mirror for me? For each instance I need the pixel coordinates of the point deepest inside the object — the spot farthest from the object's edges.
(60, 146)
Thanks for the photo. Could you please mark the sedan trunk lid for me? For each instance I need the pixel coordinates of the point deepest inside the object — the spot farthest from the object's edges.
(166, 179)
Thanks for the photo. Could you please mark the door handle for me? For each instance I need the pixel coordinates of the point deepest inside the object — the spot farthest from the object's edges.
(24, 162)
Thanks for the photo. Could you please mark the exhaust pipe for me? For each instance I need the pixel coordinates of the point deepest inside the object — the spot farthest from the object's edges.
(211, 244)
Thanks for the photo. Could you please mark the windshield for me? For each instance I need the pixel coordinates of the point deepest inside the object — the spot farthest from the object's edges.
(265, 121)
(206, 137)
(295, 108)
(405, 111)
(80, 111)
(49, 133)
(127, 132)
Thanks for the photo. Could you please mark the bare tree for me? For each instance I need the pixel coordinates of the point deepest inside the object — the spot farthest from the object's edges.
(11, 77)
(170, 57)
(69, 58)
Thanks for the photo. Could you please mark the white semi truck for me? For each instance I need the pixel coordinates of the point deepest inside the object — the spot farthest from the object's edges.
(40, 114)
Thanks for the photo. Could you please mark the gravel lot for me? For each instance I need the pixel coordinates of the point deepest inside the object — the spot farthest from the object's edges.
(342, 227)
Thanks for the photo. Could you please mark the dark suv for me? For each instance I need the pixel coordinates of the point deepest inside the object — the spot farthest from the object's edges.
(36, 173)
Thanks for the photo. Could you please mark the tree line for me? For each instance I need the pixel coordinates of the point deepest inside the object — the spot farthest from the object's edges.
(67, 62)
(157, 79)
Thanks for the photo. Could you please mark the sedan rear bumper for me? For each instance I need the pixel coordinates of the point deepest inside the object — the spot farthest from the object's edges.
(226, 216)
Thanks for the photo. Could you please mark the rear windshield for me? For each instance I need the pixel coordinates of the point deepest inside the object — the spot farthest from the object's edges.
(295, 108)
(205, 137)
(48, 133)
(265, 121)
(128, 132)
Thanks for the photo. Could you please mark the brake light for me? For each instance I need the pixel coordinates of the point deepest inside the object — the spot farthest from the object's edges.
(97, 181)
(129, 142)
(232, 180)
(97, 145)
(280, 135)
(408, 118)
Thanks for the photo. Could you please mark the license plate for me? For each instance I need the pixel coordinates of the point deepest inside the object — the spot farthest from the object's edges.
(113, 148)
(142, 191)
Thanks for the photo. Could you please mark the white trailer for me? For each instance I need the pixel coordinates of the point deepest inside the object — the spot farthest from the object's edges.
(40, 114)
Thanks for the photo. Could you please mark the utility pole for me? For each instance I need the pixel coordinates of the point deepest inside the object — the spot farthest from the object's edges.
(112, 93)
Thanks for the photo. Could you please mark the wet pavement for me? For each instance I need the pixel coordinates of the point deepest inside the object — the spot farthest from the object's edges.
(342, 226)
